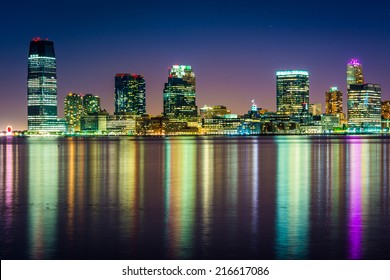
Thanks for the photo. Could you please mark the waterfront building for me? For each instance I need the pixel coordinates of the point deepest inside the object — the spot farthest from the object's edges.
(364, 107)
(180, 93)
(228, 125)
(91, 104)
(130, 94)
(42, 88)
(292, 90)
(386, 110)
(354, 73)
(95, 123)
(331, 122)
(214, 111)
(73, 107)
(333, 101)
(121, 124)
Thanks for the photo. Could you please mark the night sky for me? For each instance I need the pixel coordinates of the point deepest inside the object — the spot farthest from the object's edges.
(234, 47)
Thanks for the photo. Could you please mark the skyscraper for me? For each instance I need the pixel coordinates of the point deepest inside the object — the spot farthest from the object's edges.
(42, 87)
(180, 93)
(129, 94)
(292, 91)
(73, 107)
(354, 73)
(91, 104)
(364, 107)
(333, 101)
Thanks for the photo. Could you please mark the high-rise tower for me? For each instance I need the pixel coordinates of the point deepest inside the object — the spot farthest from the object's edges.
(180, 93)
(129, 94)
(292, 91)
(354, 73)
(91, 104)
(42, 87)
(73, 107)
(333, 101)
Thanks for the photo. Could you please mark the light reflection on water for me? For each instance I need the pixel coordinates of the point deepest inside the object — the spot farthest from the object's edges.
(284, 197)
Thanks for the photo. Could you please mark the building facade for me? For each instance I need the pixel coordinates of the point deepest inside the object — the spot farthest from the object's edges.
(292, 90)
(130, 94)
(91, 104)
(73, 109)
(180, 93)
(333, 101)
(42, 87)
(364, 107)
(386, 110)
(354, 73)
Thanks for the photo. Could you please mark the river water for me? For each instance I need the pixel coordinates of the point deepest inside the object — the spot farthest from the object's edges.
(268, 197)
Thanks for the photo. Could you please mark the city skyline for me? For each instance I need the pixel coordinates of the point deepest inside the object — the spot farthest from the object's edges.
(234, 50)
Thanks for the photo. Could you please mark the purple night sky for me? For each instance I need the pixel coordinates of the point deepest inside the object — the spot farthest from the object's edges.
(234, 48)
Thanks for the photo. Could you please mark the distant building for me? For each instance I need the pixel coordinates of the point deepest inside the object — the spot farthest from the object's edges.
(354, 73)
(386, 110)
(333, 101)
(42, 88)
(292, 90)
(364, 107)
(214, 111)
(91, 104)
(330, 122)
(121, 124)
(95, 123)
(76, 106)
(73, 107)
(130, 94)
(315, 109)
(180, 93)
(221, 125)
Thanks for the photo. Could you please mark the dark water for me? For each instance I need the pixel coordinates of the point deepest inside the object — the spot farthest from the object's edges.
(284, 197)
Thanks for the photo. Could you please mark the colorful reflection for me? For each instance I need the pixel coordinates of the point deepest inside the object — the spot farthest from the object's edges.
(292, 209)
(207, 191)
(182, 198)
(43, 198)
(195, 198)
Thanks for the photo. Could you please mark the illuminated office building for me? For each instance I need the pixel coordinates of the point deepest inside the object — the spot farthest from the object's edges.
(292, 91)
(386, 110)
(129, 94)
(364, 107)
(180, 93)
(91, 104)
(354, 73)
(73, 107)
(42, 87)
(214, 111)
(333, 101)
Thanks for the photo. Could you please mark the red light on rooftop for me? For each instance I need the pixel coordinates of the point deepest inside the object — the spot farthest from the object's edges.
(9, 129)
(36, 39)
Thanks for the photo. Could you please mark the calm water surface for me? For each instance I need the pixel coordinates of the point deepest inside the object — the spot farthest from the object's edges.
(283, 197)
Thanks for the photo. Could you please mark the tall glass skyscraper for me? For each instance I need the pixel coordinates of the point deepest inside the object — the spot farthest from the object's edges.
(354, 73)
(129, 94)
(292, 91)
(364, 107)
(180, 93)
(42, 87)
